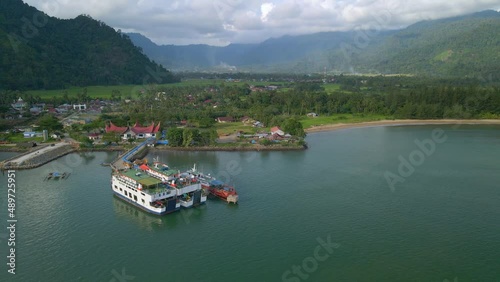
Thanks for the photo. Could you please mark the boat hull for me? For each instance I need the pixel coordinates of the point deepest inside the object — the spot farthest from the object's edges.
(122, 197)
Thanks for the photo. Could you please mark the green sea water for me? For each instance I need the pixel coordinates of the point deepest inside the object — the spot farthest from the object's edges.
(346, 209)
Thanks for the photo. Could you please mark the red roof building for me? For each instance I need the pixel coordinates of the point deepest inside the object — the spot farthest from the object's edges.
(110, 127)
(136, 131)
(277, 130)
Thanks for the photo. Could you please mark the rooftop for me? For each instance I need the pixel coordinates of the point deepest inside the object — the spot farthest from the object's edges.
(142, 178)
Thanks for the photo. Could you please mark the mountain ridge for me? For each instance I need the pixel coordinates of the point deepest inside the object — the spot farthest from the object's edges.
(391, 51)
(42, 52)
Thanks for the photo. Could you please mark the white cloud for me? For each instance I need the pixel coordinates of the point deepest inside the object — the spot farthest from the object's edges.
(219, 22)
(265, 9)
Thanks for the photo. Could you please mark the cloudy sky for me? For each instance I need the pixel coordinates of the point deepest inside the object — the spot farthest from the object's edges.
(220, 22)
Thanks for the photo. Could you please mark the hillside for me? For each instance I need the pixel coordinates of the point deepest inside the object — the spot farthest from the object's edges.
(42, 52)
(289, 53)
(460, 46)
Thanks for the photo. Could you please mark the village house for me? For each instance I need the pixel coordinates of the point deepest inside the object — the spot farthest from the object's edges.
(134, 132)
(277, 131)
(31, 134)
(246, 119)
(80, 107)
(224, 119)
(64, 108)
(19, 105)
(258, 124)
(35, 110)
(94, 136)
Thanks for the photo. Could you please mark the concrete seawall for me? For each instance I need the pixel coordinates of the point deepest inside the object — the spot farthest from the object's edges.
(38, 157)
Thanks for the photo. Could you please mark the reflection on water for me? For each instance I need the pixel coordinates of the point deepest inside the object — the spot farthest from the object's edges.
(184, 160)
(87, 157)
(151, 222)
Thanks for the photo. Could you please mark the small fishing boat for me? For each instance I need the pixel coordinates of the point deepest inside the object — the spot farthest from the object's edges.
(57, 175)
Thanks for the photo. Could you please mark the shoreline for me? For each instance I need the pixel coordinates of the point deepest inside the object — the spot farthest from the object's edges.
(314, 129)
(339, 126)
(232, 149)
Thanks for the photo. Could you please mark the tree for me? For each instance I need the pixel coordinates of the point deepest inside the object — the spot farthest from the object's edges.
(294, 127)
(187, 137)
(49, 122)
(175, 136)
(111, 137)
(206, 122)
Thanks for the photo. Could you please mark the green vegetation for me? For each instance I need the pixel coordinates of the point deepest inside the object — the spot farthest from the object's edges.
(114, 92)
(460, 46)
(195, 106)
(19, 138)
(56, 54)
(309, 122)
(50, 122)
(188, 137)
(235, 127)
(355, 99)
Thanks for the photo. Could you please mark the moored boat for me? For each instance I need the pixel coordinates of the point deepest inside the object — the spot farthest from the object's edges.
(57, 175)
(215, 187)
(157, 189)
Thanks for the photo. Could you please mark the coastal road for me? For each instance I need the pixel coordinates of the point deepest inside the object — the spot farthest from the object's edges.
(38, 152)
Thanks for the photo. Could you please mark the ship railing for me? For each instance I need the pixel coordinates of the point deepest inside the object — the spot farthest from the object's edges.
(159, 192)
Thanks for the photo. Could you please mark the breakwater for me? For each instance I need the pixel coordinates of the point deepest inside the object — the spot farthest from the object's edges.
(38, 157)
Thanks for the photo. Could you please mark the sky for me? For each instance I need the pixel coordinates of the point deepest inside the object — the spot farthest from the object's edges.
(221, 22)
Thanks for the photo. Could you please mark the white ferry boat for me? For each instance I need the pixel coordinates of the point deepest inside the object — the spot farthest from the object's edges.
(158, 189)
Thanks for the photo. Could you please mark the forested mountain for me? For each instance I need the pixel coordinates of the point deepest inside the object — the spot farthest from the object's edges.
(301, 54)
(460, 46)
(467, 45)
(42, 52)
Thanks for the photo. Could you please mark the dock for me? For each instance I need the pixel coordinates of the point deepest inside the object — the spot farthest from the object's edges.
(37, 156)
(125, 160)
(43, 154)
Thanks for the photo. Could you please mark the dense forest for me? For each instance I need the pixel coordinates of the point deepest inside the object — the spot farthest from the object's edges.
(42, 52)
(461, 46)
(392, 97)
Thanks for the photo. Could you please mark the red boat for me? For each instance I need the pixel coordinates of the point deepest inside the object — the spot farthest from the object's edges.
(223, 191)
(215, 187)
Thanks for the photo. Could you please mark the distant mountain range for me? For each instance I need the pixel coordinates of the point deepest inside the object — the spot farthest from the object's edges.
(460, 46)
(42, 52)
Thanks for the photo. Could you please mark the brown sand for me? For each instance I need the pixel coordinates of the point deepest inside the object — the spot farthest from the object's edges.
(337, 126)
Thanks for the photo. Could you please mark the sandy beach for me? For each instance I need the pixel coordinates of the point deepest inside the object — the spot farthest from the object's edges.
(338, 126)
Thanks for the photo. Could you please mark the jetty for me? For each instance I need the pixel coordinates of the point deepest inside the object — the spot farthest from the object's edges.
(37, 156)
(125, 160)
(43, 154)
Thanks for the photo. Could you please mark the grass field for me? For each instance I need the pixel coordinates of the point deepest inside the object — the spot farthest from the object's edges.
(132, 90)
(340, 118)
(233, 127)
(19, 138)
(330, 87)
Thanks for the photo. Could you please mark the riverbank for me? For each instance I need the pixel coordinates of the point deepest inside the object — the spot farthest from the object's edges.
(338, 126)
(234, 148)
